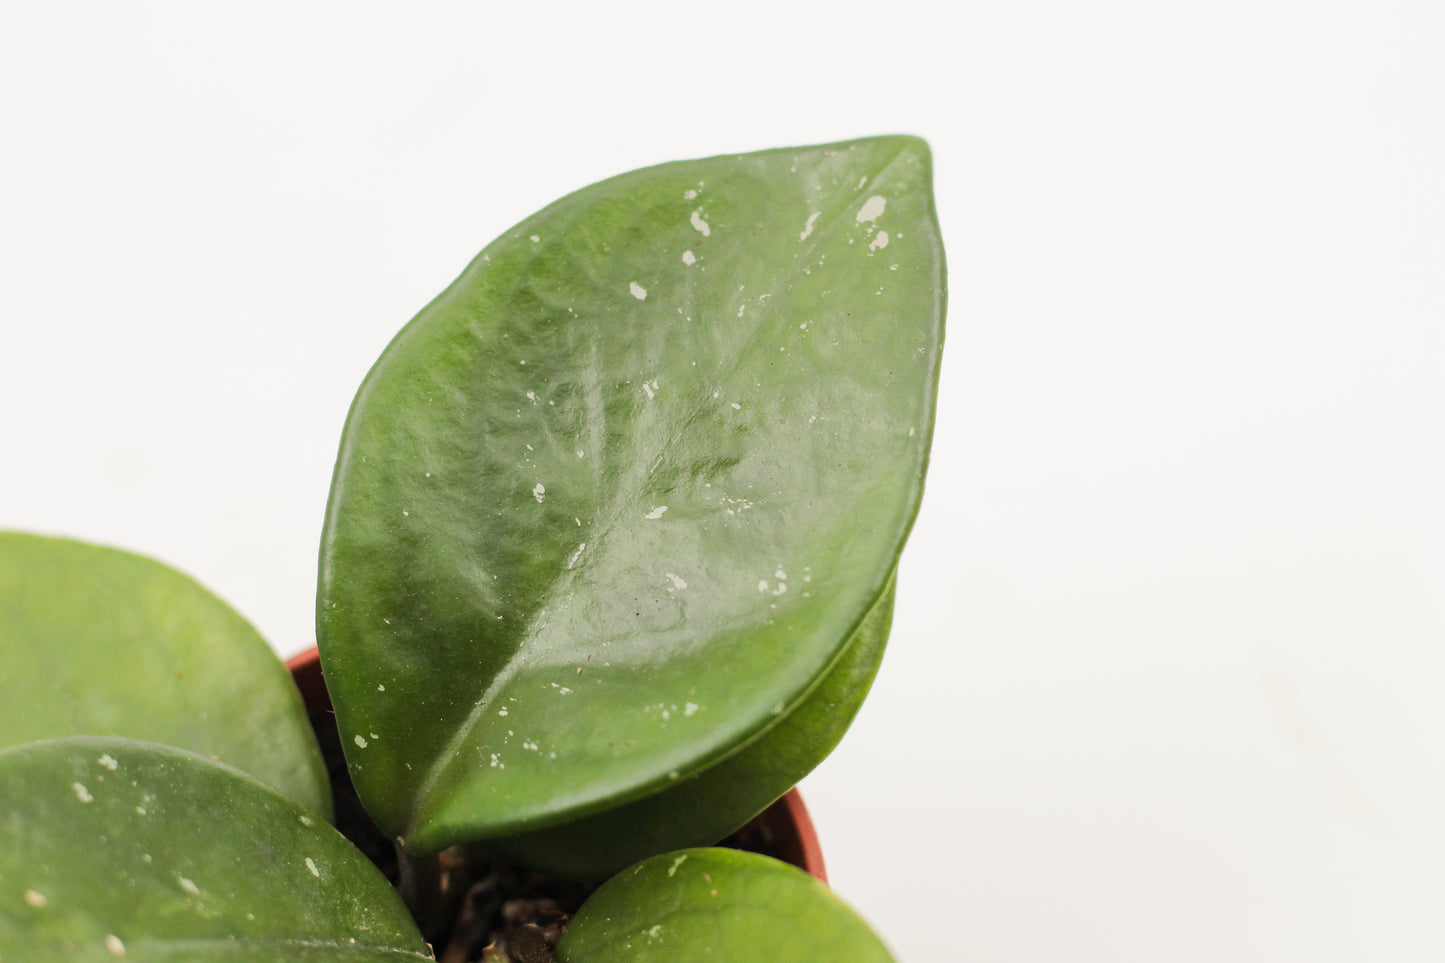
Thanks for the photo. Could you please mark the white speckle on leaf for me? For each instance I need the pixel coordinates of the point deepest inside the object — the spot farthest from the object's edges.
(380, 687)
(311, 865)
(577, 554)
(689, 258)
(502, 711)
(360, 741)
(879, 242)
(638, 291)
(808, 226)
(650, 387)
(656, 512)
(405, 513)
(539, 491)
(189, 886)
(34, 899)
(140, 810)
(536, 239)
(532, 397)
(700, 224)
(736, 406)
(872, 209)
(306, 820)
(81, 792)
(672, 870)
(677, 582)
(654, 932)
(690, 708)
(107, 761)
(689, 194)
(497, 763)
(861, 181)
(114, 946)
(762, 585)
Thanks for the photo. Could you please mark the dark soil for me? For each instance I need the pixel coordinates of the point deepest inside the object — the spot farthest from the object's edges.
(498, 913)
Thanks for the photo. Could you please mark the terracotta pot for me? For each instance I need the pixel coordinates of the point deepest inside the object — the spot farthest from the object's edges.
(785, 825)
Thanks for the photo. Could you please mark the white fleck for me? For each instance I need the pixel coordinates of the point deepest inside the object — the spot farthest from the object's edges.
(577, 554)
(539, 491)
(638, 291)
(782, 587)
(107, 761)
(532, 397)
(656, 512)
(189, 886)
(140, 810)
(808, 227)
(689, 194)
(690, 708)
(674, 774)
(872, 209)
(689, 258)
(428, 474)
(311, 865)
(380, 687)
(861, 181)
(676, 863)
(892, 267)
(736, 406)
(114, 946)
(360, 741)
(502, 711)
(530, 745)
(37, 900)
(535, 239)
(700, 224)
(777, 710)
(879, 242)
(306, 820)
(650, 387)
(653, 933)
(496, 763)
(564, 690)
(910, 432)
(762, 585)
(780, 574)
(81, 792)
(406, 513)
(677, 582)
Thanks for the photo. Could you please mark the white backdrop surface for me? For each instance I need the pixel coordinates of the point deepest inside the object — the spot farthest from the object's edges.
(1165, 680)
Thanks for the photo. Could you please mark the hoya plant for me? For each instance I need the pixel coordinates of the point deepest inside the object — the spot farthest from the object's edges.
(607, 567)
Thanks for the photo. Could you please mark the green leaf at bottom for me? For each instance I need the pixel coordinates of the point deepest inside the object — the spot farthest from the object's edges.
(116, 848)
(717, 904)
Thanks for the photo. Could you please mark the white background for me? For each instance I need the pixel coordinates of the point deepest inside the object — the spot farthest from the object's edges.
(1165, 681)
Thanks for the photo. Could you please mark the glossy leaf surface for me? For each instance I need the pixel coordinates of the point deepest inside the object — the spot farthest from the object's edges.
(717, 904)
(613, 504)
(96, 641)
(113, 847)
(721, 799)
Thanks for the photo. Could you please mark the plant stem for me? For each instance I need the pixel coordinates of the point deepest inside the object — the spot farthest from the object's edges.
(421, 889)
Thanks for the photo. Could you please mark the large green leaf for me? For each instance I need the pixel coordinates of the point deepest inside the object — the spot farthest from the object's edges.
(113, 847)
(613, 504)
(96, 641)
(719, 800)
(717, 904)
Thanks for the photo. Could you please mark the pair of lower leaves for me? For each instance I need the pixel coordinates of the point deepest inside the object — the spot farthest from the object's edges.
(115, 848)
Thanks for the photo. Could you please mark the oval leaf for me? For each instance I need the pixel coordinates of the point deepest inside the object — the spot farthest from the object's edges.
(113, 847)
(719, 800)
(717, 904)
(102, 642)
(613, 503)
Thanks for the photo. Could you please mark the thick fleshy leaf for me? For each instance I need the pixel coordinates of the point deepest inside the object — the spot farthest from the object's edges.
(705, 904)
(96, 641)
(113, 847)
(719, 800)
(612, 505)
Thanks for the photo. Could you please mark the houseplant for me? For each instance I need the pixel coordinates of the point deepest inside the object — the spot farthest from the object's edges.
(607, 566)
